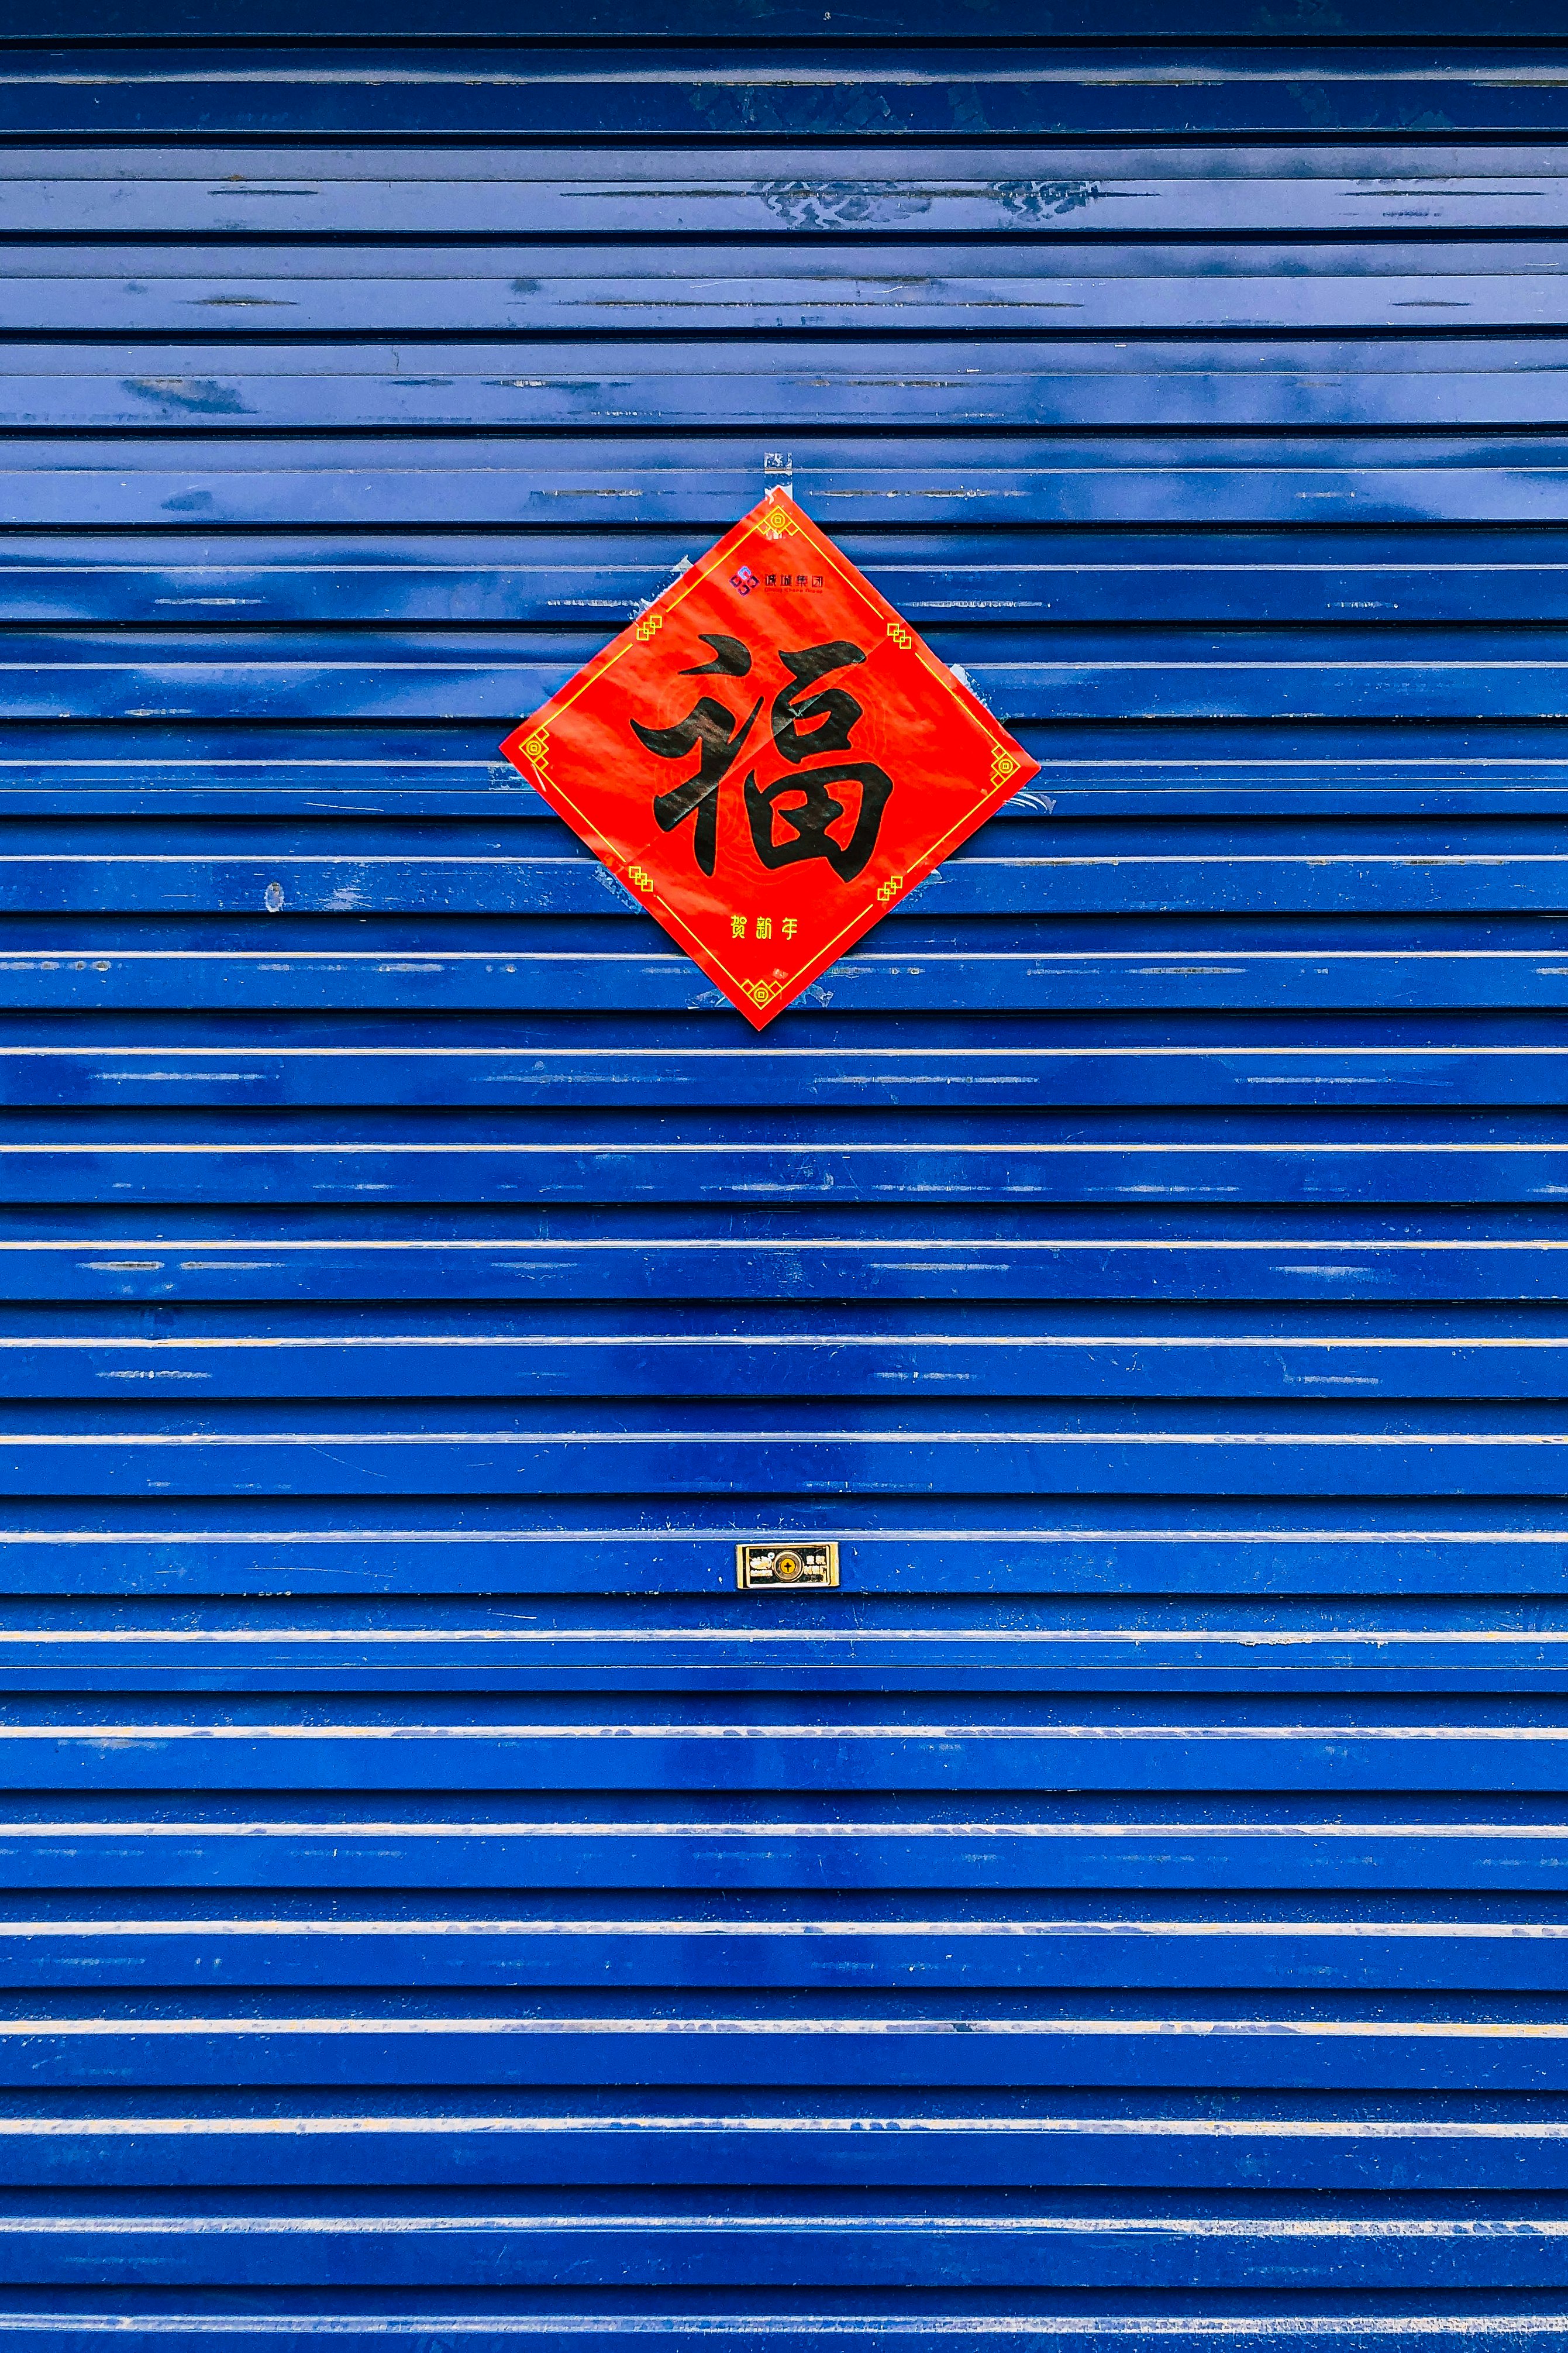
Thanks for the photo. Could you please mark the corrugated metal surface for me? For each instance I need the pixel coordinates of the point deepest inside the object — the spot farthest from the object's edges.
(1130, 1912)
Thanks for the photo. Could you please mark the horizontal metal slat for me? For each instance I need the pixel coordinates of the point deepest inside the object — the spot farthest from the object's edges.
(784, 2241)
(684, 1251)
(1439, 1947)
(1008, 648)
(483, 256)
(960, 1448)
(695, 1851)
(169, 1156)
(837, 2250)
(1490, 1661)
(1003, 287)
(1002, 2041)
(1361, 579)
(358, 483)
(846, 191)
(1506, 1353)
(1023, 864)
(1170, 769)
(1402, 676)
(1054, 379)
(1214, 2145)
(239, 1544)
(729, 2320)
(806, 1059)
(757, 1742)
(847, 1649)
(1221, 92)
(295, 964)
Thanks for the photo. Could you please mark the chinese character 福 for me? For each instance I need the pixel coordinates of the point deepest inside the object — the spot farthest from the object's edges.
(712, 730)
(835, 711)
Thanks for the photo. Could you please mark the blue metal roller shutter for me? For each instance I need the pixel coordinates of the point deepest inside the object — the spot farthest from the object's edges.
(436, 1903)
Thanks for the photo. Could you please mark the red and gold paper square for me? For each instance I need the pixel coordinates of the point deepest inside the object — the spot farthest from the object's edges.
(769, 757)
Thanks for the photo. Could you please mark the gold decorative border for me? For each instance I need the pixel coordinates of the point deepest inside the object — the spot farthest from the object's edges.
(772, 523)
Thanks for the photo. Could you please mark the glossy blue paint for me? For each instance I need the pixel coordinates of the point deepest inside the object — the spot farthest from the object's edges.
(434, 1905)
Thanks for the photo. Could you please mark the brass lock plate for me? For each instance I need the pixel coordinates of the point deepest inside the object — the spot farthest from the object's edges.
(787, 1564)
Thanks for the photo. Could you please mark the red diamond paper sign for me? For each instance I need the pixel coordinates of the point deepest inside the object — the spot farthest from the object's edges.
(769, 758)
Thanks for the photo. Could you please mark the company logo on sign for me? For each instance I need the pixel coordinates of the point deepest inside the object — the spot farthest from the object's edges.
(769, 758)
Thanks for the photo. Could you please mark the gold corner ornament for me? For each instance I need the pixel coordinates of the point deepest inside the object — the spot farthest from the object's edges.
(769, 757)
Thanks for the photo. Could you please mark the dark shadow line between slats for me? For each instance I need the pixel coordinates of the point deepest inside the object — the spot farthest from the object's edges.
(1310, 535)
(825, 240)
(618, 339)
(1472, 49)
(785, 145)
(745, 437)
